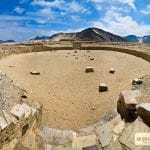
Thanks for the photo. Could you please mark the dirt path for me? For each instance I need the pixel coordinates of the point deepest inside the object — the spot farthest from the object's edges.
(66, 91)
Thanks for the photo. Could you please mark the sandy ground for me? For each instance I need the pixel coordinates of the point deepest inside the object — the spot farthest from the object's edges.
(66, 91)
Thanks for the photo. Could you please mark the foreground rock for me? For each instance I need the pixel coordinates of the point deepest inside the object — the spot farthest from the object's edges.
(112, 70)
(126, 105)
(91, 59)
(89, 69)
(103, 87)
(34, 72)
(127, 138)
(143, 110)
(105, 133)
(82, 142)
(137, 81)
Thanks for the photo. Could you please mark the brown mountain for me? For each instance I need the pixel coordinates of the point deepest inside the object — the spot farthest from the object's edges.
(90, 34)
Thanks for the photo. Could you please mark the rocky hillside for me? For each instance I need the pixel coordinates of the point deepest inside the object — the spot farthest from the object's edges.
(40, 38)
(90, 34)
(134, 38)
(146, 39)
(7, 41)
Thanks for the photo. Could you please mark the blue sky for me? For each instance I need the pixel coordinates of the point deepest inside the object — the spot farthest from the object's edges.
(23, 19)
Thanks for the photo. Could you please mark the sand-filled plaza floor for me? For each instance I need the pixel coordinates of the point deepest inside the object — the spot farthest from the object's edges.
(70, 97)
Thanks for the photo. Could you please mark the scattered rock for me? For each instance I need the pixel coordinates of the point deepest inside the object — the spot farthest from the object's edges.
(23, 96)
(76, 57)
(103, 87)
(93, 108)
(75, 51)
(11, 66)
(143, 110)
(89, 69)
(92, 59)
(137, 81)
(126, 105)
(112, 70)
(35, 72)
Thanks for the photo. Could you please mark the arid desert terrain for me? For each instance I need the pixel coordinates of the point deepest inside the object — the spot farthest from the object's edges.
(70, 97)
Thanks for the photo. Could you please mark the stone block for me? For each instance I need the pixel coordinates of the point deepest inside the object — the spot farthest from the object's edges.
(18, 111)
(3, 123)
(137, 81)
(127, 137)
(119, 127)
(112, 70)
(103, 87)
(27, 110)
(105, 133)
(143, 110)
(126, 105)
(91, 59)
(9, 118)
(89, 69)
(83, 141)
(33, 111)
(34, 72)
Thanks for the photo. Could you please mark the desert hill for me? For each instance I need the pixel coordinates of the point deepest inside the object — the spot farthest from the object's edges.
(89, 34)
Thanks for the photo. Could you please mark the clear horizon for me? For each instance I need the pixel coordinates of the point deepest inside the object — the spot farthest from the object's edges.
(24, 19)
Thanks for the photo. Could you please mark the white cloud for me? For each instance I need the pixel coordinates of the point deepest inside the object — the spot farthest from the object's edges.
(19, 10)
(72, 6)
(55, 3)
(75, 18)
(96, 1)
(130, 3)
(75, 7)
(123, 25)
(146, 11)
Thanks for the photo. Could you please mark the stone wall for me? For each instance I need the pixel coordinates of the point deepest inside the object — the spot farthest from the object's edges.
(16, 117)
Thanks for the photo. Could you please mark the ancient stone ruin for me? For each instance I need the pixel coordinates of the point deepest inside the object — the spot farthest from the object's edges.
(16, 117)
(21, 126)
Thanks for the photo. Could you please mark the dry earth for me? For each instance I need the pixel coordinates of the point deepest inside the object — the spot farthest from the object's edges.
(67, 93)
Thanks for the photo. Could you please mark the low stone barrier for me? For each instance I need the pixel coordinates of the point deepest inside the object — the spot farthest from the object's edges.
(16, 123)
